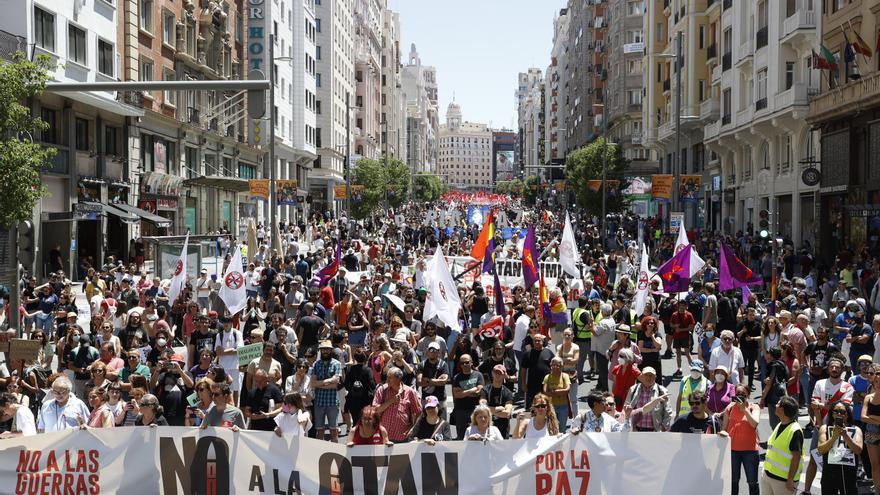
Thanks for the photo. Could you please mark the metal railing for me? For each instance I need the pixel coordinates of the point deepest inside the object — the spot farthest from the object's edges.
(761, 38)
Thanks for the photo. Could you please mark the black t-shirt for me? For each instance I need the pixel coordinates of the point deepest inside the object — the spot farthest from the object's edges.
(753, 329)
(819, 354)
(431, 370)
(538, 364)
(465, 382)
(258, 401)
(311, 329)
(693, 424)
(201, 341)
(486, 368)
(498, 397)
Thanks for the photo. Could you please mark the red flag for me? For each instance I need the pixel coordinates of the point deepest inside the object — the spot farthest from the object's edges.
(492, 328)
(478, 252)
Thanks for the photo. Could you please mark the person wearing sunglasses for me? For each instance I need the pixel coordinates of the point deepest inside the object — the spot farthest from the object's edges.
(62, 410)
(223, 413)
(150, 412)
(840, 443)
(540, 422)
(698, 420)
(740, 421)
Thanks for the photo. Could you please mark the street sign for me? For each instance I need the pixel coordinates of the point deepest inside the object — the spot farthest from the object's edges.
(675, 221)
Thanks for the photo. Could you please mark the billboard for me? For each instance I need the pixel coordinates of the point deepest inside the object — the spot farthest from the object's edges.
(504, 167)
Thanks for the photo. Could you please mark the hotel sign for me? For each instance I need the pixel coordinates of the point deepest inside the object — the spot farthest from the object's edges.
(257, 48)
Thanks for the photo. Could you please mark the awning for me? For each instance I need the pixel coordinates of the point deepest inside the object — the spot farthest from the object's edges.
(104, 101)
(89, 210)
(125, 216)
(219, 182)
(145, 215)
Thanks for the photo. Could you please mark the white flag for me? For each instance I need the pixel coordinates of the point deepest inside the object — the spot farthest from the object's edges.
(568, 252)
(232, 290)
(178, 278)
(442, 298)
(643, 284)
(682, 242)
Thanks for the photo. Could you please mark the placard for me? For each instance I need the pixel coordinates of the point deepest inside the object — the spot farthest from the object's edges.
(23, 349)
(248, 353)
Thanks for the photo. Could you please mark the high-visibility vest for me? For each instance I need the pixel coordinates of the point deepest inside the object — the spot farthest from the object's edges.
(581, 331)
(686, 389)
(778, 457)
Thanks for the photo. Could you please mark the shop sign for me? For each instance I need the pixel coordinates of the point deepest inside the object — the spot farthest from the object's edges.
(811, 176)
(166, 204)
(160, 184)
(87, 211)
(148, 205)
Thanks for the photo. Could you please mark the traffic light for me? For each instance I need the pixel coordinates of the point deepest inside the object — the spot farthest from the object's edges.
(257, 132)
(764, 223)
(27, 246)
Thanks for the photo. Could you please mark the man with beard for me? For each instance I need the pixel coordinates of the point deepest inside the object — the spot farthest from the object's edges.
(433, 374)
(827, 392)
(429, 337)
(326, 377)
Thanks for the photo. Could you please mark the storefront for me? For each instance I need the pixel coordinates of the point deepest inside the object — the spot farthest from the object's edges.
(159, 196)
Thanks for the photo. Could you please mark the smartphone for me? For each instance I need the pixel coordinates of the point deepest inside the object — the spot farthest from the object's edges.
(838, 422)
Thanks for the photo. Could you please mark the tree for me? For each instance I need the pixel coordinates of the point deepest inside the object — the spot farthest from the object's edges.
(530, 189)
(585, 165)
(429, 188)
(21, 159)
(383, 184)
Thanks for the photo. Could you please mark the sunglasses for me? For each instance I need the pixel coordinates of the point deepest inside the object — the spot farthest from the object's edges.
(610, 404)
(539, 406)
(60, 392)
(727, 339)
(696, 403)
(217, 394)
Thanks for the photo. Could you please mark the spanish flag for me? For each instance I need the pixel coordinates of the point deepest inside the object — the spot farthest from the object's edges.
(478, 252)
(544, 300)
(860, 46)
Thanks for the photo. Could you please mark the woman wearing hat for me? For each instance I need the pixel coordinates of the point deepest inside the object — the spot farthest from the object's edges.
(623, 375)
(622, 341)
(430, 427)
(720, 394)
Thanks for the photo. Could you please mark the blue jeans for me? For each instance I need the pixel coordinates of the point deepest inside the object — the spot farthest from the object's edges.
(561, 416)
(44, 322)
(748, 460)
(804, 379)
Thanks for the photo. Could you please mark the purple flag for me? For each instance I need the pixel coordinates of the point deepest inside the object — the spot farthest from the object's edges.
(732, 273)
(500, 309)
(675, 273)
(746, 292)
(325, 274)
(489, 257)
(530, 259)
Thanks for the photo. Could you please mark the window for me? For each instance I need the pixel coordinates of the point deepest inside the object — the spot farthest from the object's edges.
(105, 58)
(318, 52)
(168, 28)
(318, 25)
(44, 29)
(246, 171)
(76, 44)
(702, 89)
(192, 162)
(789, 75)
(318, 80)
(146, 15)
(170, 96)
(82, 134)
(111, 140)
(50, 135)
(761, 86)
(146, 73)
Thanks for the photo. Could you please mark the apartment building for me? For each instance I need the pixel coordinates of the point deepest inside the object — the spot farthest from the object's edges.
(846, 112)
(555, 107)
(368, 78)
(393, 119)
(465, 152)
(90, 210)
(530, 109)
(335, 85)
(419, 85)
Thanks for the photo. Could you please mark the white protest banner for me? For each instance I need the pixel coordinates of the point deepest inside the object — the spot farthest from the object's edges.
(248, 353)
(176, 460)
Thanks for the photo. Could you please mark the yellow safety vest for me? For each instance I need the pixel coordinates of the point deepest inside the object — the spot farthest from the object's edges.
(778, 457)
(687, 390)
(581, 331)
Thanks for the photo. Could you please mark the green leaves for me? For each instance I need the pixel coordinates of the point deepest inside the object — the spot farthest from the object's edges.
(585, 165)
(429, 188)
(385, 184)
(21, 159)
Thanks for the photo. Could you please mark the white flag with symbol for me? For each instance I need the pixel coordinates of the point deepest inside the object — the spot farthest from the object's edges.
(232, 290)
(178, 278)
(442, 298)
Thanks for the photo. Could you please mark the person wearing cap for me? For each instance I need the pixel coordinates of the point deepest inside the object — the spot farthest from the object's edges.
(647, 406)
(430, 427)
(844, 321)
(721, 393)
(81, 357)
(498, 397)
(202, 287)
(326, 377)
(623, 340)
(433, 375)
(596, 418)
(694, 382)
(682, 323)
(226, 345)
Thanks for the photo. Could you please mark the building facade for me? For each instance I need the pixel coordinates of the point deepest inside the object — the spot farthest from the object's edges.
(419, 85)
(465, 152)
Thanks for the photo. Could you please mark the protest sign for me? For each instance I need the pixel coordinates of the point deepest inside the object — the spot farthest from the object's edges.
(248, 353)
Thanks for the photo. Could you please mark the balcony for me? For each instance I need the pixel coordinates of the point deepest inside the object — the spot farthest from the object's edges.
(797, 95)
(849, 98)
(725, 120)
(666, 130)
(711, 130)
(744, 115)
(710, 109)
(711, 51)
(726, 61)
(745, 53)
(761, 37)
(192, 115)
(716, 74)
(798, 27)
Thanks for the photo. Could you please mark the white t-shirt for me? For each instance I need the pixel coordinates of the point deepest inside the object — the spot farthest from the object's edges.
(816, 316)
(520, 331)
(290, 425)
(733, 360)
(228, 340)
(825, 390)
(24, 422)
(492, 434)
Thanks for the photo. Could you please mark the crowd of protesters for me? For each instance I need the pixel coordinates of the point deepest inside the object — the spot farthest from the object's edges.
(354, 360)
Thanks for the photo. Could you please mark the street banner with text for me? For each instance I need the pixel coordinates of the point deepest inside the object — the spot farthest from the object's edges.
(176, 460)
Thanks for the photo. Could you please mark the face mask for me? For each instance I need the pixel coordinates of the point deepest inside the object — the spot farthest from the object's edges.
(161, 342)
(850, 314)
(720, 378)
(709, 335)
(696, 374)
(621, 361)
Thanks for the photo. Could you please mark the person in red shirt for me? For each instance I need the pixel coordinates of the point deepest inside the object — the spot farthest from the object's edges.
(682, 323)
(624, 375)
(368, 431)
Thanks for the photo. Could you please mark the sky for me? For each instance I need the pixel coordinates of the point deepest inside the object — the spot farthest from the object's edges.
(479, 47)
